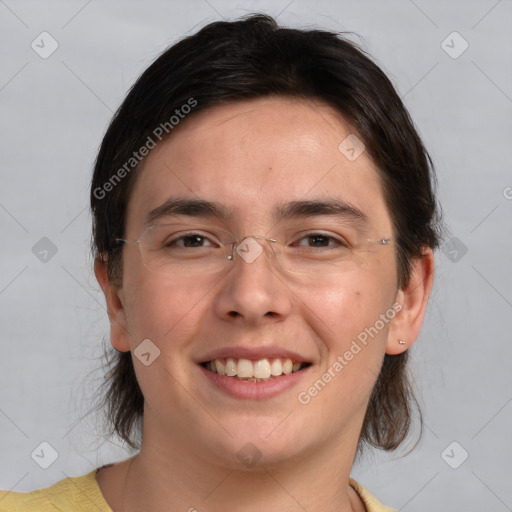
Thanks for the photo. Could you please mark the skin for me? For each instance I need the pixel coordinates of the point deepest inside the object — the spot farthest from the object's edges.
(250, 156)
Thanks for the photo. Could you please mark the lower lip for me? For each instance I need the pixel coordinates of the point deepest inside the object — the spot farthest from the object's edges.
(254, 390)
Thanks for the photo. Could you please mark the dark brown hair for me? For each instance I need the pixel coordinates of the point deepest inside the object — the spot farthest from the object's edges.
(245, 59)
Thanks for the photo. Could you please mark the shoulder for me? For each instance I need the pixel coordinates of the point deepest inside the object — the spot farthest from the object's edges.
(75, 494)
(27, 502)
(371, 503)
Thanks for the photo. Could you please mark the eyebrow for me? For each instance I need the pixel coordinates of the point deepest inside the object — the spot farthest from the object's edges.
(292, 210)
(330, 206)
(189, 207)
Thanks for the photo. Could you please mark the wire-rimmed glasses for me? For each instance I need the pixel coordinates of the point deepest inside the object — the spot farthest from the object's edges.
(193, 250)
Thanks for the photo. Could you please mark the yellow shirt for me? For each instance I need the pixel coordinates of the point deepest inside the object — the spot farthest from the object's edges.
(82, 494)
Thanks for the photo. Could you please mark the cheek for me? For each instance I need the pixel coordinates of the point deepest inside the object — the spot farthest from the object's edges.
(168, 314)
(349, 306)
(161, 308)
(352, 335)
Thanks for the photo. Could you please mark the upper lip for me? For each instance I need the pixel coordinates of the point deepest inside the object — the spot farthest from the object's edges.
(254, 353)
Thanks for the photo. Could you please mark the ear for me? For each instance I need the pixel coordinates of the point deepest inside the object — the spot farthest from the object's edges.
(407, 322)
(116, 313)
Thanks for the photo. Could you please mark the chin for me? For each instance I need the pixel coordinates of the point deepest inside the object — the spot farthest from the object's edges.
(257, 442)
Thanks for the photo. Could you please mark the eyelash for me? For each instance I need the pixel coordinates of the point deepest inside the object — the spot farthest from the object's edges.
(312, 234)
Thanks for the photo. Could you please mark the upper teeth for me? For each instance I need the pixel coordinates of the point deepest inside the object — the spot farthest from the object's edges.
(245, 368)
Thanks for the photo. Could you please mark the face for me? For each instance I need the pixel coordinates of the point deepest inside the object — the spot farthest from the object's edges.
(251, 159)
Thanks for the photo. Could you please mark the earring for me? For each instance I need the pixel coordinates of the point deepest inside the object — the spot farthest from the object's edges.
(402, 342)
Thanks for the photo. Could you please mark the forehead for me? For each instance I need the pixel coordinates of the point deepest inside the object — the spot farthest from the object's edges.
(254, 155)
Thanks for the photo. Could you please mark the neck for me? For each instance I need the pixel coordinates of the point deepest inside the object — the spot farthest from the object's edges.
(169, 475)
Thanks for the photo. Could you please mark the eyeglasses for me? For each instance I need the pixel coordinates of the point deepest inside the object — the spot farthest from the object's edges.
(183, 250)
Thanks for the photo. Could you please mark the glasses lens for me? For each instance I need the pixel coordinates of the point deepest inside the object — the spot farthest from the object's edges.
(322, 252)
(174, 249)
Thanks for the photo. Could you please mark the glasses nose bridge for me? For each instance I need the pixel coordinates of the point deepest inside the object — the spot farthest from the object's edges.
(253, 248)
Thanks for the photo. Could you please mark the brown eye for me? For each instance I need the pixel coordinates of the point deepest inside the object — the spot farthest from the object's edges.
(192, 240)
(188, 240)
(319, 240)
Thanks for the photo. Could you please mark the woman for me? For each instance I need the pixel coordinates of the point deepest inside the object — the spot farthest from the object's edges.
(264, 227)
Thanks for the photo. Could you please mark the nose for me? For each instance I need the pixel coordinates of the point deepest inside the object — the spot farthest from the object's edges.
(253, 291)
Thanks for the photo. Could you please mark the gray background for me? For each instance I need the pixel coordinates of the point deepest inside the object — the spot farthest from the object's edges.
(52, 317)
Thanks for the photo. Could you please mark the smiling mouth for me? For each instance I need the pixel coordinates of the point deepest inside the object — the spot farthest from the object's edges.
(260, 370)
